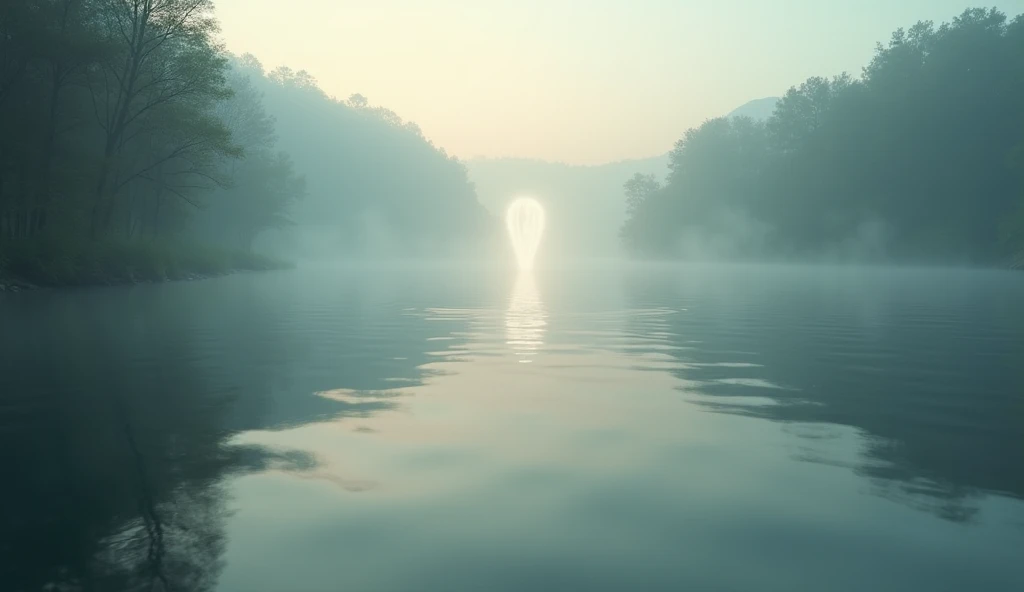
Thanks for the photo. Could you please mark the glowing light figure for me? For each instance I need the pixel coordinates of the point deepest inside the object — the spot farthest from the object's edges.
(525, 221)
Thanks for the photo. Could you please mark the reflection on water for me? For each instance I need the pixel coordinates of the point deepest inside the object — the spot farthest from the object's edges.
(925, 365)
(112, 445)
(685, 428)
(526, 318)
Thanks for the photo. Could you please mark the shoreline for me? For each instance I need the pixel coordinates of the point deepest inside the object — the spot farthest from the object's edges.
(55, 263)
(11, 283)
(14, 284)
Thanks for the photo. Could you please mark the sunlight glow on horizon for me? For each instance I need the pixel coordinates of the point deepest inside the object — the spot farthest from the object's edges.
(563, 80)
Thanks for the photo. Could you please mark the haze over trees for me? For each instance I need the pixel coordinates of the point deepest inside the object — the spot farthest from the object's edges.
(375, 184)
(125, 122)
(919, 159)
(127, 131)
(583, 203)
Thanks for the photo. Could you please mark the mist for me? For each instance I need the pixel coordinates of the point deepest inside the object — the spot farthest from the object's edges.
(585, 204)
(511, 295)
(917, 159)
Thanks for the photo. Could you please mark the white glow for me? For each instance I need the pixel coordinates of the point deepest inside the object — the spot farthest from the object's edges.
(525, 221)
(526, 319)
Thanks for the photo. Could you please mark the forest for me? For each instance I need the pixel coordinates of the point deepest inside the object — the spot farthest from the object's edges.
(919, 160)
(134, 146)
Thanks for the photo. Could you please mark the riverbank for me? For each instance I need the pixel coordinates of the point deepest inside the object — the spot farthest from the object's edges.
(26, 265)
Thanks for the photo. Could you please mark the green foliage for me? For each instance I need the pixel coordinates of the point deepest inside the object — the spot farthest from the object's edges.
(107, 123)
(372, 181)
(913, 161)
(638, 189)
(118, 123)
(126, 122)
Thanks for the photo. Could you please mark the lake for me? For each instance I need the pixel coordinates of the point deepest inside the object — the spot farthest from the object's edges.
(661, 427)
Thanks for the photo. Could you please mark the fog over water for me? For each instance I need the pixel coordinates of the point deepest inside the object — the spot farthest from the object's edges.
(603, 427)
(454, 296)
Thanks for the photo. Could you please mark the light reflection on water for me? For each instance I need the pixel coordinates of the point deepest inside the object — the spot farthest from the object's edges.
(733, 428)
(526, 318)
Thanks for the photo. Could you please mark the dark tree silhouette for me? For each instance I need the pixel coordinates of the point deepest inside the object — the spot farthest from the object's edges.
(127, 131)
(919, 159)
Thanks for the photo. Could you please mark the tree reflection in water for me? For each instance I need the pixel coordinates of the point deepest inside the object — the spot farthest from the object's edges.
(117, 446)
(921, 366)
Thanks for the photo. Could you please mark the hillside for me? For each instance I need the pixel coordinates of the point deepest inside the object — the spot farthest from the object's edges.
(375, 185)
(585, 204)
(758, 109)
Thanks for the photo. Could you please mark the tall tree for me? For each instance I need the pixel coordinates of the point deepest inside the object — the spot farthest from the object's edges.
(165, 56)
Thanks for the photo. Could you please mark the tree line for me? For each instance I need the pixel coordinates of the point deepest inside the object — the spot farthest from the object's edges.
(376, 186)
(919, 159)
(126, 122)
(123, 118)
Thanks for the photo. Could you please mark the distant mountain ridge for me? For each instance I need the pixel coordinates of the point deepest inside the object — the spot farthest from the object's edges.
(585, 203)
(758, 109)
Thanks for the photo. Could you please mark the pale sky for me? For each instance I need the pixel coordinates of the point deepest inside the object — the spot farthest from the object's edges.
(577, 81)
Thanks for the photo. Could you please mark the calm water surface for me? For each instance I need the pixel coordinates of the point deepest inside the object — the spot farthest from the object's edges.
(663, 428)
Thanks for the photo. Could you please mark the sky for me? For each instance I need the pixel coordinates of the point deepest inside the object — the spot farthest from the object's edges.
(575, 81)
